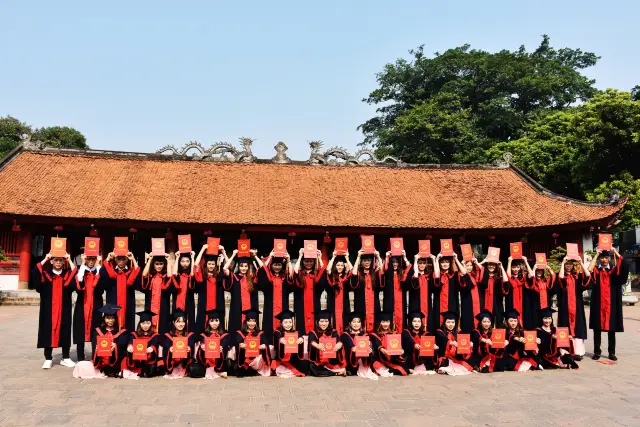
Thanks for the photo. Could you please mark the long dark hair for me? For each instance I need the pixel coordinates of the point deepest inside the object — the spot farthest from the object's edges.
(205, 270)
(181, 270)
(245, 328)
(335, 276)
(517, 330)
(391, 330)
(155, 259)
(175, 332)
(208, 331)
(372, 273)
(423, 325)
(116, 324)
(283, 271)
(481, 329)
(141, 333)
(282, 331)
(250, 276)
(327, 331)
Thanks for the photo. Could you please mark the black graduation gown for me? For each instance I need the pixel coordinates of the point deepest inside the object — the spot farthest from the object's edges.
(606, 298)
(241, 300)
(294, 362)
(86, 314)
(243, 369)
(571, 304)
(307, 297)
(221, 364)
(275, 294)
(396, 364)
(54, 321)
(319, 367)
(144, 368)
(366, 295)
(492, 296)
(338, 299)
(445, 296)
(515, 354)
(412, 355)
(535, 294)
(157, 290)
(514, 291)
(352, 361)
(421, 290)
(210, 297)
(470, 303)
(111, 366)
(549, 353)
(394, 294)
(483, 353)
(446, 351)
(113, 279)
(183, 291)
(169, 362)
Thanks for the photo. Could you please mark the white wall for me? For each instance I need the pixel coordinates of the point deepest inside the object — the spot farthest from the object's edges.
(8, 282)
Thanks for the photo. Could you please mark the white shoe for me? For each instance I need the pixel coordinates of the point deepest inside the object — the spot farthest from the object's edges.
(68, 363)
(47, 364)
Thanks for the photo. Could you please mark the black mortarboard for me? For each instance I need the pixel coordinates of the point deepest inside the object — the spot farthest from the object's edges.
(146, 315)
(449, 315)
(178, 314)
(340, 258)
(385, 315)
(416, 314)
(244, 259)
(605, 253)
(285, 314)
(252, 313)
(546, 312)
(354, 315)
(483, 314)
(366, 256)
(210, 257)
(512, 314)
(323, 314)
(215, 314)
(277, 260)
(109, 309)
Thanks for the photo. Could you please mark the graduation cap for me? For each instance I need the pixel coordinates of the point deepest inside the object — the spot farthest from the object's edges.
(210, 257)
(484, 314)
(385, 316)
(323, 314)
(244, 259)
(512, 314)
(449, 315)
(277, 260)
(366, 256)
(354, 315)
(252, 313)
(146, 315)
(605, 253)
(546, 312)
(215, 314)
(109, 309)
(340, 258)
(417, 314)
(178, 314)
(285, 314)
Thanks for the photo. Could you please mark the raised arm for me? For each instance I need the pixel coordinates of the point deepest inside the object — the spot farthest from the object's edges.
(461, 268)
(320, 262)
(436, 265)
(134, 263)
(349, 266)
(379, 263)
(254, 254)
(193, 265)
(229, 261)
(289, 265)
(147, 265)
(166, 260)
(296, 269)
(561, 273)
(505, 278)
(526, 262)
(330, 263)
(199, 257)
(354, 270)
(594, 260)
(71, 265)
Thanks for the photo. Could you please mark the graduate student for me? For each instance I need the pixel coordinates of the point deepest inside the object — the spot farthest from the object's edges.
(308, 273)
(214, 367)
(515, 357)
(470, 301)
(484, 357)
(421, 290)
(287, 365)
(609, 275)
(242, 285)
(573, 279)
(396, 273)
(357, 365)
(386, 365)
(338, 278)
(208, 279)
(86, 314)
(450, 362)
(319, 364)
(447, 287)
(251, 365)
(366, 280)
(276, 283)
(537, 295)
(119, 277)
(156, 286)
(146, 335)
(550, 355)
(520, 275)
(110, 365)
(493, 279)
(184, 285)
(52, 278)
(411, 343)
(176, 367)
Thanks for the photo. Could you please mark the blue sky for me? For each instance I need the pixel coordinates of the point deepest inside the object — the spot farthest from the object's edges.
(137, 75)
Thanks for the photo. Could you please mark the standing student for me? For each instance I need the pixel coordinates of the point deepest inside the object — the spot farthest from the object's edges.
(412, 344)
(470, 302)
(208, 286)
(366, 280)
(450, 362)
(537, 295)
(156, 286)
(516, 358)
(276, 280)
(493, 279)
(86, 314)
(385, 364)
(357, 365)
(177, 367)
(110, 327)
(251, 365)
(287, 365)
(609, 276)
(146, 332)
(119, 276)
(447, 287)
(52, 279)
(396, 272)
(184, 286)
(421, 290)
(320, 366)
(242, 285)
(484, 357)
(338, 277)
(520, 275)
(307, 278)
(569, 287)
(218, 367)
(552, 356)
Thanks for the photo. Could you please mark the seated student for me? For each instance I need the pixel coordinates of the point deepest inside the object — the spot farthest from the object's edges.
(218, 367)
(251, 365)
(177, 367)
(516, 358)
(133, 369)
(287, 365)
(357, 365)
(318, 365)
(484, 358)
(386, 365)
(105, 366)
(449, 361)
(414, 363)
(551, 356)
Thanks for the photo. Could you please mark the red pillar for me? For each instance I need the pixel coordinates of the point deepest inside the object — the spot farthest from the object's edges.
(25, 259)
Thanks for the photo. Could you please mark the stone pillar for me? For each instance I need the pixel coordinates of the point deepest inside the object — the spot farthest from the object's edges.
(25, 259)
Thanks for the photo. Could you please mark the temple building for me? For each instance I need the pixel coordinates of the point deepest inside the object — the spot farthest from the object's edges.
(226, 192)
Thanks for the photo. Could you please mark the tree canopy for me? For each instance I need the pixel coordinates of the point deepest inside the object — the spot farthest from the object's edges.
(55, 136)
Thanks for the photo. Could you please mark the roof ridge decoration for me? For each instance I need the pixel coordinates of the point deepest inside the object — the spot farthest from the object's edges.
(339, 156)
(218, 152)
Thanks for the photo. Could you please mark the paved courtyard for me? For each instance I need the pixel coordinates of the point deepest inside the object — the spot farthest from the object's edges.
(597, 394)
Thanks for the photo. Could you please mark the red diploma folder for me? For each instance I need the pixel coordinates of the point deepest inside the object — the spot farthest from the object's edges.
(397, 246)
(58, 246)
(393, 345)
(362, 346)
(244, 247)
(368, 245)
(253, 346)
(464, 344)
(531, 337)
(329, 348)
(91, 246)
(467, 252)
(572, 251)
(427, 345)
(103, 345)
(121, 246)
(562, 337)
(184, 243)
(516, 250)
(342, 245)
(310, 249)
(493, 254)
(605, 241)
(139, 349)
(180, 346)
(541, 260)
(213, 245)
(424, 248)
(498, 337)
(280, 247)
(212, 347)
(290, 342)
(446, 247)
(157, 246)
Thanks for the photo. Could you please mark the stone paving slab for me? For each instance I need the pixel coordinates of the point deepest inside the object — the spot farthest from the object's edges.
(596, 394)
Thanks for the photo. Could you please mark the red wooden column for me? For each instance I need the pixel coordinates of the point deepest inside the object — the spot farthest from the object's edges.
(24, 247)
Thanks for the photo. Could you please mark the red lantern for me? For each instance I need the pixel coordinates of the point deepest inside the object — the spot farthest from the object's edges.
(94, 231)
(208, 233)
(16, 228)
(327, 239)
(555, 238)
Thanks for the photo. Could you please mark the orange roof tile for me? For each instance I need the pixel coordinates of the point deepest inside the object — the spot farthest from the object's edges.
(120, 187)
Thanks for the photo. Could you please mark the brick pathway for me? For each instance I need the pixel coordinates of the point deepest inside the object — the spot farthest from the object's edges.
(596, 395)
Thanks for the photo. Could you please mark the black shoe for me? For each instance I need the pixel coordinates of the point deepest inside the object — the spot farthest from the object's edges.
(595, 356)
(613, 357)
(577, 358)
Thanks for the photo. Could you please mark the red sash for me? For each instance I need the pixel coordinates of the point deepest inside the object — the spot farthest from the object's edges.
(90, 281)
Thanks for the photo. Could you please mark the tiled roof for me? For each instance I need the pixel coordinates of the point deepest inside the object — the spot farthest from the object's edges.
(146, 188)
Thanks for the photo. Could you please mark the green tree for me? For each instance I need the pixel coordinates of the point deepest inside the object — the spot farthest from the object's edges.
(452, 107)
(624, 183)
(10, 131)
(55, 136)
